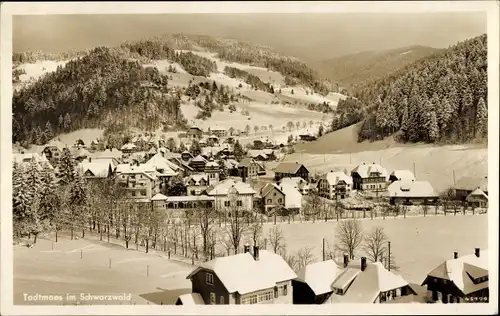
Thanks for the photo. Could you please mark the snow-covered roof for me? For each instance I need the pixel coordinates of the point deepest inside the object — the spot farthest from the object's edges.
(128, 168)
(365, 170)
(288, 167)
(196, 178)
(367, 284)
(158, 162)
(213, 136)
(477, 193)
(320, 276)
(199, 158)
(404, 175)
(32, 157)
(472, 183)
(411, 189)
(268, 187)
(113, 153)
(254, 153)
(152, 151)
(293, 197)
(98, 168)
(159, 197)
(223, 187)
(128, 146)
(230, 163)
(212, 164)
(217, 128)
(295, 180)
(334, 177)
(189, 198)
(460, 270)
(243, 274)
(191, 299)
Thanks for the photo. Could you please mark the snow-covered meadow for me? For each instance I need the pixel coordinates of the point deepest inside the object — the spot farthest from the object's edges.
(419, 244)
(82, 266)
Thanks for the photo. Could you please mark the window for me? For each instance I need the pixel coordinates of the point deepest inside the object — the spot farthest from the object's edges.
(143, 192)
(222, 299)
(280, 200)
(265, 297)
(212, 298)
(209, 277)
(193, 192)
(239, 203)
(282, 290)
(251, 299)
(269, 201)
(227, 203)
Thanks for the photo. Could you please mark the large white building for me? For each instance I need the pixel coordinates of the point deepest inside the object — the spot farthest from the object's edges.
(232, 195)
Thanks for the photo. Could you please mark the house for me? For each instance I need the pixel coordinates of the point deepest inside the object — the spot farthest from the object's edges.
(113, 154)
(313, 284)
(290, 170)
(231, 194)
(477, 198)
(180, 206)
(165, 169)
(186, 156)
(129, 148)
(261, 277)
(96, 170)
(411, 192)
(218, 131)
(273, 198)
(258, 144)
(404, 175)
(80, 154)
(151, 152)
(140, 181)
(213, 139)
(368, 283)
(41, 160)
(213, 170)
(466, 185)
(95, 144)
(52, 153)
(297, 182)
(307, 137)
(194, 133)
(249, 168)
(196, 183)
(369, 178)
(231, 166)
(293, 197)
(460, 280)
(198, 163)
(336, 184)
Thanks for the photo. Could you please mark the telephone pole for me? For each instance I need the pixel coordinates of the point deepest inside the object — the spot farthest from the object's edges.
(389, 256)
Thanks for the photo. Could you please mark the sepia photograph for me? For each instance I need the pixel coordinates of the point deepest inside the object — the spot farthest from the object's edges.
(285, 155)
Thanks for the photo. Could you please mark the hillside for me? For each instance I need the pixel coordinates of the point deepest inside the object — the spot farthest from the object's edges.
(439, 99)
(147, 84)
(351, 70)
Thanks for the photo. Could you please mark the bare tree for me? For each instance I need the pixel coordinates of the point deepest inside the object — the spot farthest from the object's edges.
(255, 231)
(314, 206)
(375, 244)
(226, 241)
(349, 236)
(304, 257)
(277, 240)
(237, 223)
(206, 218)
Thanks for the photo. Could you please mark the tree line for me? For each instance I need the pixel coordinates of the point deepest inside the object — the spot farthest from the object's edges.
(254, 81)
(93, 91)
(441, 98)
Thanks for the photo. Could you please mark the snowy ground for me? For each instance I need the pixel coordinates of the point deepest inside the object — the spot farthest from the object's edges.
(435, 164)
(419, 244)
(62, 270)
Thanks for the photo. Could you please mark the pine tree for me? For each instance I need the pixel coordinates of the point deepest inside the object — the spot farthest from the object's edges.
(238, 150)
(481, 119)
(195, 148)
(66, 167)
(67, 122)
(21, 198)
(405, 124)
(433, 128)
(49, 132)
(182, 147)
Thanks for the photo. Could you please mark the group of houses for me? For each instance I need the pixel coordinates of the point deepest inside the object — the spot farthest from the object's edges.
(263, 277)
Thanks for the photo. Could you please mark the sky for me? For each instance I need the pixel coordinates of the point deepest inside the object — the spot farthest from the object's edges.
(310, 37)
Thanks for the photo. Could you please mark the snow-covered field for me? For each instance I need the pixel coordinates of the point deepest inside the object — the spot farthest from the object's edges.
(435, 164)
(38, 69)
(62, 270)
(419, 244)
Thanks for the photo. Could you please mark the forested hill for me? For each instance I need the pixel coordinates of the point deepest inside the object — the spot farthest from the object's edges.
(351, 70)
(97, 90)
(441, 98)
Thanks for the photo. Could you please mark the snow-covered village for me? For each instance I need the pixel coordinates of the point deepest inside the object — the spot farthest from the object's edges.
(200, 170)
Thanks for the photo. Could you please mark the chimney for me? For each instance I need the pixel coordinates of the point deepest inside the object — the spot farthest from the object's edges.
(256, 253)
(346, 260)
(363, 163)
(455, 255)
(477, 252)
(363, 263)
(247, 248)
(90, 159)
